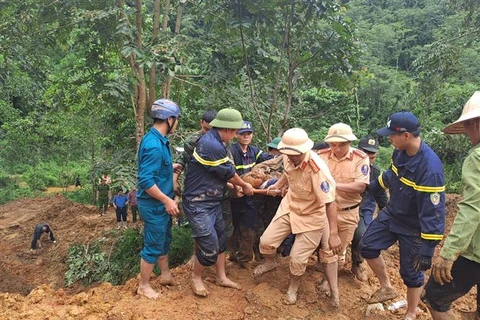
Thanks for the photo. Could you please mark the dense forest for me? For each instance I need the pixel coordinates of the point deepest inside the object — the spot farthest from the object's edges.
(77, 77)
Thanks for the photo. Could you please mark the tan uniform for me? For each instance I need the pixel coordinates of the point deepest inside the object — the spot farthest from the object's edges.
(354, 167)
(302, 211)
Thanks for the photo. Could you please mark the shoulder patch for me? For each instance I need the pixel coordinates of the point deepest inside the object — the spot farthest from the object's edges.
(314, 165)
(435, 198)
(365, 169)
(322, 151)
(325, 186)
(359, 153)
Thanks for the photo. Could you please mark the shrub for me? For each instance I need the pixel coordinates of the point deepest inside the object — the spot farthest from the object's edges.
(87, 263)
(181, 248)
(121, 261)
(124, 261)
(83, 195)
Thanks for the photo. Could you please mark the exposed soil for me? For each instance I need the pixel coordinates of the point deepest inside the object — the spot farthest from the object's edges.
(32, 285)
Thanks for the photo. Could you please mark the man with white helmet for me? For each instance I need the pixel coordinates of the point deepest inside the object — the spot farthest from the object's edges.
(304, 210)
(210, 169)
(155, 195)
(350, 167)
(457, 268)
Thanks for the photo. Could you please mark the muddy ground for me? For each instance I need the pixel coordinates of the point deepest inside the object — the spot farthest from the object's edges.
(32, 285)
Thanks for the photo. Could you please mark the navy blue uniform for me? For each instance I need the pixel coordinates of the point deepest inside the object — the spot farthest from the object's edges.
(244, 212)
(243, 209)
(415, 215)
(370, 199)
(208, 173)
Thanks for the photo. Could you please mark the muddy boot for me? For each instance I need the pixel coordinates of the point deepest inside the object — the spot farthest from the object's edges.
(245, 254)
(256, 252)
(124, 224)
(119, 225)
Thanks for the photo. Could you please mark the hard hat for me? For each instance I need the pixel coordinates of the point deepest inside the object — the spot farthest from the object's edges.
(274, 143)
(228, 119)
(340, 132)
(295, 141)
(164, 109)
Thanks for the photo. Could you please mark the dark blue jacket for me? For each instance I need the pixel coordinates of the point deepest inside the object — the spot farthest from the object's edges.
(209, 170)
(370, 199)
(244, 162)
(417, 196)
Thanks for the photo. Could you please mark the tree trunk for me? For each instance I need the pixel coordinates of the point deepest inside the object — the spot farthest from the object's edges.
(141, 98)
(152, 92)
(167, 82)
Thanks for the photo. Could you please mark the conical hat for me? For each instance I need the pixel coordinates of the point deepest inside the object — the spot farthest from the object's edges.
(471, 110)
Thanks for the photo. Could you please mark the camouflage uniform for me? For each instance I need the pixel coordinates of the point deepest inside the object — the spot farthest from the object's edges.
(103, 190)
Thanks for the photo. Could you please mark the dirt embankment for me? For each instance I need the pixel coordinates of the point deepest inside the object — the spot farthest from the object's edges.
(32, 284)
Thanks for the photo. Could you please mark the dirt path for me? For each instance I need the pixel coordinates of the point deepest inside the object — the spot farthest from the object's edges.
(33, 284)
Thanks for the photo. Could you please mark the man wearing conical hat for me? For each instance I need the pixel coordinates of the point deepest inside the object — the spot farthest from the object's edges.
(457, 268)
(307, 210)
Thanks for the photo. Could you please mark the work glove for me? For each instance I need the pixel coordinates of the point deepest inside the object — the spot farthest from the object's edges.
(422, 263)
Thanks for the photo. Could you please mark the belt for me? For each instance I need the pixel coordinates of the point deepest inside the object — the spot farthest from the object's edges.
(350, 208)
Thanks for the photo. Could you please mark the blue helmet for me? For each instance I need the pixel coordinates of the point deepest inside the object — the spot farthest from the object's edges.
(164, 109)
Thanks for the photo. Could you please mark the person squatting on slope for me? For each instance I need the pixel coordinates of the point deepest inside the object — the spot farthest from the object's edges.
(155, 195)
(40, 229)
(457, 268)
(307, 210)
(415, 214)
(209, 171)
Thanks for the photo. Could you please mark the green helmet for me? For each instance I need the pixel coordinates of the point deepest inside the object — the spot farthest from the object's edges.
(228, 119)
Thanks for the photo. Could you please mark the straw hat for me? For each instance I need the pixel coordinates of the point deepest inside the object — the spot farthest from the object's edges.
(471, 110)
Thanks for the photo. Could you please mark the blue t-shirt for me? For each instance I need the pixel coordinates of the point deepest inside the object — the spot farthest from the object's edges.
(120, 200)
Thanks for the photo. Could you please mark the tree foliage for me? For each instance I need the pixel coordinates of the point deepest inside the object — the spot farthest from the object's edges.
(77, 77)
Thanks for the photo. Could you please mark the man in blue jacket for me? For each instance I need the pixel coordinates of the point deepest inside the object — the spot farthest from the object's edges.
(244, 209)
(415, 215)
(155, 195)
(210, 169)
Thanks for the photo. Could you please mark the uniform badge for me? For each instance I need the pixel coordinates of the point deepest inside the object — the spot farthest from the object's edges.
(435, 198)
(325, 186)
(364, 169)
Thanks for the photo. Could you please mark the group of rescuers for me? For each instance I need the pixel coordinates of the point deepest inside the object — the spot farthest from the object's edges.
(319, 199)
